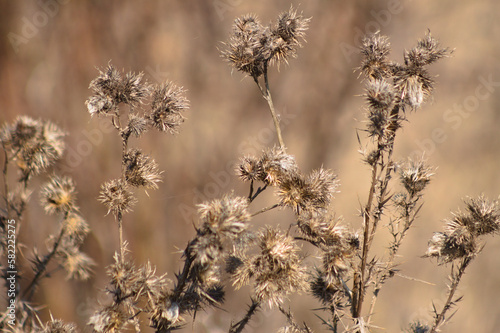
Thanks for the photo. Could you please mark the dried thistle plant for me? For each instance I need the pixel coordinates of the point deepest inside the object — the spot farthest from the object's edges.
(341, 273)
(134, 290)
(33, 146)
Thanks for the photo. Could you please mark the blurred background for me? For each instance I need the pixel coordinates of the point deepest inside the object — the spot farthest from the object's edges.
(49, 54)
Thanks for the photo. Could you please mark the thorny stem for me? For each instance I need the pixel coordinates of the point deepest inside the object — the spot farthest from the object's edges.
(388, 270)
(266, 93)
(239, 326)
(370, 222)
(182, 278)
(263, 210)
(28, 292)
(451, 292)
(259, 191)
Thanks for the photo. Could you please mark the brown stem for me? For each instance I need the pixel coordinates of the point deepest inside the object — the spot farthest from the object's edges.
(28, 292)
(370, 223)
(266, 93)
(263, 210)
(451, 293)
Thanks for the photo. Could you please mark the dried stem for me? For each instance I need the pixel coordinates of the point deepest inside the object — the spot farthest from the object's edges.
(263, 210)
(28, 292)
(266, 93)
(451, 292)
(370, 220)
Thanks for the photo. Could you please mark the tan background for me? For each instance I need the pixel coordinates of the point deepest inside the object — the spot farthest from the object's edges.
(49, 74)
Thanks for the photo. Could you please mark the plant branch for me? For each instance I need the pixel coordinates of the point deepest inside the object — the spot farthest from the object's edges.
(263, 210)
(451, 292)
(28, 292)
(240, 325)
(266, 93)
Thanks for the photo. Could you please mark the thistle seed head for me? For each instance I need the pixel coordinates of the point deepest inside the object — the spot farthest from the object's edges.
(141, 170)
(249, 169)
(277, 166)
(375, 50)
(227, 217)
(167, 107)
(116, 195)
(415, 175)
(112, 88)
(34, 144)
(77, 265)
(58, 195)
(427, 51)
(305, 193)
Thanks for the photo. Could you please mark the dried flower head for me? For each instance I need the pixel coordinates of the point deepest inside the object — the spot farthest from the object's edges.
(112, 87)
(34, 144)
(116, 195)
(276, 269)
(375, 50)
(427, 51)
(125, 279)
(277, 166)
(227, 217)
(167, 107)
(76, 228)
(289, 31)
(380, 94)
(77, 264)
(137, 124)
(305, 193)
(141, 170)
(58, 195)
(484, 215)
(415, 175)
(249, 169)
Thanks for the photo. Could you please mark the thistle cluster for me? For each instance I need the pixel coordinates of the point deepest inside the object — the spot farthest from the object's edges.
(113, 88)
(392, 87)
(252, 47)
(311, 192)
(461, 237)
(276, 269)
(34, 145)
